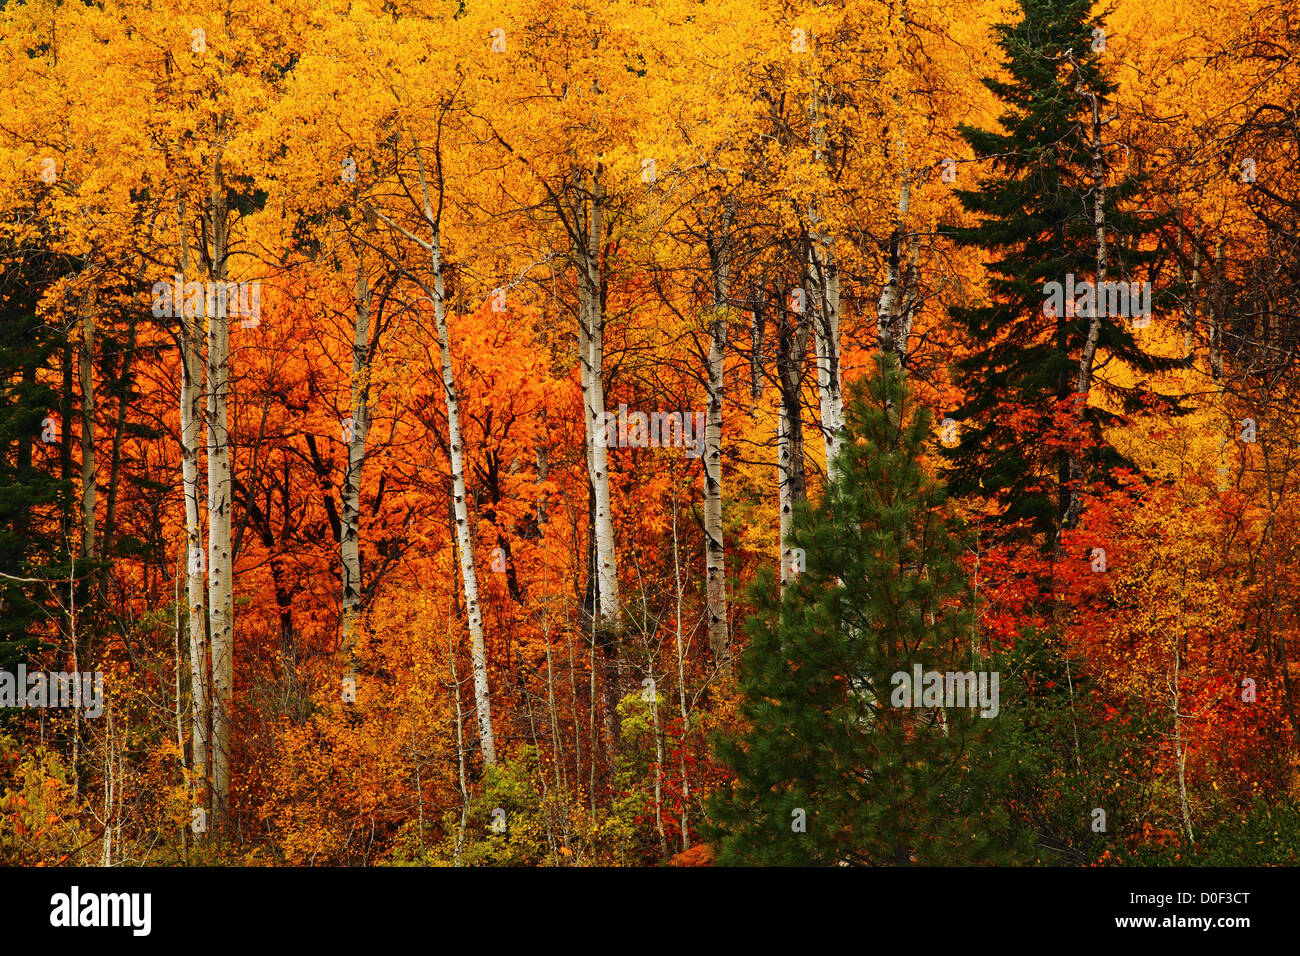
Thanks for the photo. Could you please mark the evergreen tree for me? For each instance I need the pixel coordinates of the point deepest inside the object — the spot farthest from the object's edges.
(1071, 757)
(829, 769)
(31, 490)
(1021, 426)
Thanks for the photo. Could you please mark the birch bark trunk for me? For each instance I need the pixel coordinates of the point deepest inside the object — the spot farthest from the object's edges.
(1218, 308)
(826, 328)
(221, 603)
(1192, 302)
(792, 346)
(592, 358)
(824, 296)
(460, 503)
(682, 710)
(785, 490)
(893, 317)
(715, 551)
(192, 381)
(354, 434)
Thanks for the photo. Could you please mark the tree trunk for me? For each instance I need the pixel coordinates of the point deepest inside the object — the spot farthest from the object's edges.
(592, 358)
(86, 378)
(682, 711)
(894, 311)
(785, 489)
(464, 537)
(756, 343)
(119, 431)
(659, 766)
(824, 298)
(543, 469)
(461, 780)
(1083, 382)
(192, 381)
(1180, 743)
(460, 503)
(715, 552)
(792, 344)
(67, 351)
(826, 328)
(355, 438)
(1192, 302)
(221, 602)
(1218, 311)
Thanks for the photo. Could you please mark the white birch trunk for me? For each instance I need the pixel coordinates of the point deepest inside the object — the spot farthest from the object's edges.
(221, 602)
(785, 490)
(826, 330)
(792, 347)
(460, 506)
(824, 298)
(355, 437)
(459, 499)
(593, 390)
(893, 315)
(192, 380)
(715, 551)
(1191, 303)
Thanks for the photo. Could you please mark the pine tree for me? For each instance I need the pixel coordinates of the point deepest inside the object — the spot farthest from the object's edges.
(1027, 439)
(829, 770)
(30, 551)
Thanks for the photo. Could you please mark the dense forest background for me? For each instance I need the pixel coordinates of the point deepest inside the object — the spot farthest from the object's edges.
(498, 433)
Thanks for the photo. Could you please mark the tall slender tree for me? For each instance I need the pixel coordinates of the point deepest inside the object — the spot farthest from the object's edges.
(1051, 211)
